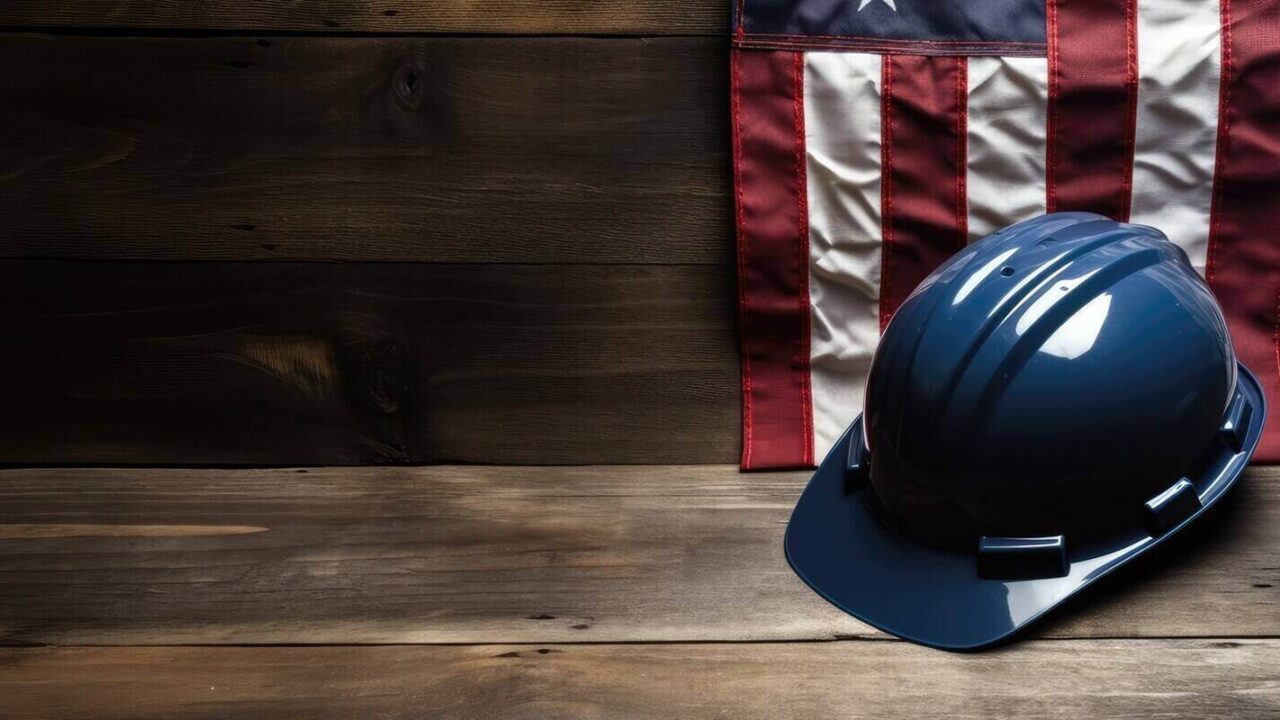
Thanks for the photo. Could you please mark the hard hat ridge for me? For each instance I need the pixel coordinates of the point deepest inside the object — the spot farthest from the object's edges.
(1000, 424)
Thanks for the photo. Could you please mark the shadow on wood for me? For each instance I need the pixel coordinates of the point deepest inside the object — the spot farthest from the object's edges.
(316, 363)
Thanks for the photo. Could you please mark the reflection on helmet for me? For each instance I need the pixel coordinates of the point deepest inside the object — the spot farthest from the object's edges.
(1047, 404)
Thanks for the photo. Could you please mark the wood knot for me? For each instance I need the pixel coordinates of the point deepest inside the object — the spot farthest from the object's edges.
(407, 103)
(408, 85)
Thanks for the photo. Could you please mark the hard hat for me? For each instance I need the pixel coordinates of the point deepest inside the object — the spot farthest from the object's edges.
(1050, 403)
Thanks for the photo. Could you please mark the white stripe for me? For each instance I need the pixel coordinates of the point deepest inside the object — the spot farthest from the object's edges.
(1008, 101)
(1177, 124)
(842, 141)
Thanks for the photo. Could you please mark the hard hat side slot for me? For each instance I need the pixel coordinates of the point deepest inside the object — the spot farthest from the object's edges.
(1235, 424)
(1022, 558)
(857, 466)
(1168, 509)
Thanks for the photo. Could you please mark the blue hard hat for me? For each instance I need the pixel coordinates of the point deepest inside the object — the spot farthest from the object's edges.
(1050, 403)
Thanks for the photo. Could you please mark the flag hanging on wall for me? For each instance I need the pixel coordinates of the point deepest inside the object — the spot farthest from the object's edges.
(874, 138)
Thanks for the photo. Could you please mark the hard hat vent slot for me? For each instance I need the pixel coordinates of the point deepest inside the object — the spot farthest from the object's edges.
(858, 462)
(1168, 509)
(1022, 558)
(1236, 423)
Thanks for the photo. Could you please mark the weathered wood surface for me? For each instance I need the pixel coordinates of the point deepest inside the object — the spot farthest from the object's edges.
(1200, 679)
(561, 17)
(405, 149)
(497, 555)
(322, 363)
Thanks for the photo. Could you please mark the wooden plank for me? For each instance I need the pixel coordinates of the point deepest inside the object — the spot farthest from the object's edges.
(321, 363)
(561, 17)
(497, 555)
(403, 149)
(1197, 679)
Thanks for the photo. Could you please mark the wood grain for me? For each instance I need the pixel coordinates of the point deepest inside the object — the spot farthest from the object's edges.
(517, 554)
(565, 17)
(320, 363)
(400, 149)
(28, 531)
(1199, 679)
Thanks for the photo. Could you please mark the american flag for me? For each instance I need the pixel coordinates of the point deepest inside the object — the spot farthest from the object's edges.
(873, 138)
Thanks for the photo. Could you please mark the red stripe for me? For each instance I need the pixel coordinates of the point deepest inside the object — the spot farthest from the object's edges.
(922, 182)
(1243, 265)
(773, 258)
(1093, 105)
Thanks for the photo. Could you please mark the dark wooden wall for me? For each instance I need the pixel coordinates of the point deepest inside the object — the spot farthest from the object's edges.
(350, 232)
(323, 233)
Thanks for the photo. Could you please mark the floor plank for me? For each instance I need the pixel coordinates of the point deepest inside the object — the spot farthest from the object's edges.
(565, 17)
(497, 555)
(1048, 679)
(358, 363)
(565, 150)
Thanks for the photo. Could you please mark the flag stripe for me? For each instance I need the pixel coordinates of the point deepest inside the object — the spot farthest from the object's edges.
(842, 142)
(1243, 265)
(1007, 104)
(924, 116)
(1093, 73)
(767, 99)
(1177, 120)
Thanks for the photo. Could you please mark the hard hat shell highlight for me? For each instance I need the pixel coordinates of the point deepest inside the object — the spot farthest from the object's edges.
(1050, 403)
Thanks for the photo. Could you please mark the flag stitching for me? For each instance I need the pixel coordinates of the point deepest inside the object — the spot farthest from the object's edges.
(736, 101)
(1131, 87)
(1224, 140)
(801, 358)
(886, 187)
(1051, 119)
(962, 150)
(1275, 335)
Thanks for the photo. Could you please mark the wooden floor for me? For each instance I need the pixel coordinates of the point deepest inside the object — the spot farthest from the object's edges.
(262, 261)
(657, 591)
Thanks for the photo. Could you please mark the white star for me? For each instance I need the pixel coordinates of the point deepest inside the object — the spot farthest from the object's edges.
(890, 3)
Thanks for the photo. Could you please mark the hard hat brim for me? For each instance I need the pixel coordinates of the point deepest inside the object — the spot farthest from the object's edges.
(847, 553)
